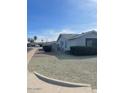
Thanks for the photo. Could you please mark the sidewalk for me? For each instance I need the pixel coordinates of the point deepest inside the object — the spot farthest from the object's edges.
(30, 54)
(36, 85)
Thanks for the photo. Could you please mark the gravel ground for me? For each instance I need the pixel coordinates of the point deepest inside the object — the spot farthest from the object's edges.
(81, 69)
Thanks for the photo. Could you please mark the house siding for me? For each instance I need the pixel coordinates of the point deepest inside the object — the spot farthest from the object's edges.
(62, 42)
(81, 41)
(65, 44)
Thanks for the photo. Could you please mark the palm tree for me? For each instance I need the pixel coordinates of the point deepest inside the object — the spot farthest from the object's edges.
(41, 40)
(35, 38)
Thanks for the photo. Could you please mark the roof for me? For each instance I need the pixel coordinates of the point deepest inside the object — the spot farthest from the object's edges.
(67, 36)
(74, 36)
(80, 35)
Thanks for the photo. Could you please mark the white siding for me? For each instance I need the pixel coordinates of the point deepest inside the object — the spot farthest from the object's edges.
(65, 44)
(61, 43)
(80, 41)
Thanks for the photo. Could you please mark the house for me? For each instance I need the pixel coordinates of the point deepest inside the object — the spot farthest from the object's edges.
(52, 44)
(65, 41)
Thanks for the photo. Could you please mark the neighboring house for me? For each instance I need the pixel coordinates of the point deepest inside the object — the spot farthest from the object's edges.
(65, 41)
(52, 43)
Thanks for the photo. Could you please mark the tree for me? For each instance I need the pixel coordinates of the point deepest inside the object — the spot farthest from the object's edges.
(35, 38)
(41, 40)
(29, 39)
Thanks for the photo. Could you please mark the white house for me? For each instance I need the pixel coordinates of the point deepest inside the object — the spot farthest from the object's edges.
(65, 41)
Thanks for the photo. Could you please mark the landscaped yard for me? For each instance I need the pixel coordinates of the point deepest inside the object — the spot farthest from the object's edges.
(81, 69)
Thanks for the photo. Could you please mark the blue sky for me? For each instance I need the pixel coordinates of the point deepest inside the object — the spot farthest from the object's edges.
(48, 18)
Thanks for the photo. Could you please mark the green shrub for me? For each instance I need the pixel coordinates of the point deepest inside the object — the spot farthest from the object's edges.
(47, 48)
(79, 50)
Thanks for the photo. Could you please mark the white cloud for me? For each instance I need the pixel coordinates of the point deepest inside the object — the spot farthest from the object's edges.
(83, 4)
(93, 1)
(52, 35)
(65, 31)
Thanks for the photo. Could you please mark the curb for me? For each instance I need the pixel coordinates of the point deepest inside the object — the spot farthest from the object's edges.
(60, 82)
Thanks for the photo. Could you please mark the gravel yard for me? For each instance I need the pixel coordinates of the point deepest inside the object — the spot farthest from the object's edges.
(81, 69)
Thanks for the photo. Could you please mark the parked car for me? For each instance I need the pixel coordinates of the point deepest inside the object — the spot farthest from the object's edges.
(30, 45)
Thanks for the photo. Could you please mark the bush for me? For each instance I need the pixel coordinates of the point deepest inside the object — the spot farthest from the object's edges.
(30, 45)
(79, 50)
(47, 48)
(40, 45)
